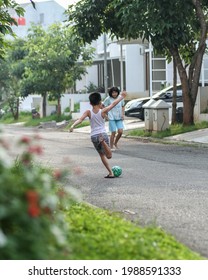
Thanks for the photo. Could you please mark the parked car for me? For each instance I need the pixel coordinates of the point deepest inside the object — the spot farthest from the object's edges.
(134, 108)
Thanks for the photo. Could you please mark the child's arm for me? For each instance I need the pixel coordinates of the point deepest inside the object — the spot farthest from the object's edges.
(123, 112)
(80, 120)
(117, 100)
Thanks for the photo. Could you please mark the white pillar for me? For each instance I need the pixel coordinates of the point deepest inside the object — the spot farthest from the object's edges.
(105, 65)
(121, 66)
(150, 68)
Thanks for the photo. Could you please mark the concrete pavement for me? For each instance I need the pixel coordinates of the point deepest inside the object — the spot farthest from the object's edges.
(197, 136)
(129, 123)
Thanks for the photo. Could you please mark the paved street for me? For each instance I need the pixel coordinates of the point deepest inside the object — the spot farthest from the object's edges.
(164, 185)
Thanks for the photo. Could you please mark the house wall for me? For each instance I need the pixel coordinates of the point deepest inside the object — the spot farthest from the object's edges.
(201, 105)
(29, 102)
(91, 77)
(135, 71)
(45, 13)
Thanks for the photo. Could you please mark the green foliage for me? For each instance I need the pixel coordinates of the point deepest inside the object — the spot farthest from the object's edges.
(101, 235)
(51, 63)
(6, 21)
(91, 87)
(32, 200)
(8, 117)
(177, 29)
(44, 63)
(91, 25)
(11, 74)
(165, 22)
(26, 118)
(57, 118)
(84, 123)
(76, 107)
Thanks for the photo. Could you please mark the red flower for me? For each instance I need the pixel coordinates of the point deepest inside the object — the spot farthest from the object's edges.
(34, 211)
(25, 140)
(35, 150)
(57, 174)
(33, 207)
(32, 196)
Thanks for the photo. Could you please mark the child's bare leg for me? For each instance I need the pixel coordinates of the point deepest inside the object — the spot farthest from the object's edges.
(106, 148)
(118, 136)
(106, 164)
(112, 137)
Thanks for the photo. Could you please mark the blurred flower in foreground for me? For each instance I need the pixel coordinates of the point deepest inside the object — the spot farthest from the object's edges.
(32, 200)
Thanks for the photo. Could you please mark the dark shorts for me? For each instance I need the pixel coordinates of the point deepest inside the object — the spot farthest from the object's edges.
(96, 142)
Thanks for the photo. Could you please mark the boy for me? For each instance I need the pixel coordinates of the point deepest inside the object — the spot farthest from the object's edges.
(99, 136)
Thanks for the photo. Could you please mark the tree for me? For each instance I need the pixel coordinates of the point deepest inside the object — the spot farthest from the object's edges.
(6, 22)
(176, 28)
(4, 77)
(51, 64)
(12, 69)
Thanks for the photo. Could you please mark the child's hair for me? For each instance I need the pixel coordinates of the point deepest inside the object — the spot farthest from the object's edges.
(95, 98)
(113, 89)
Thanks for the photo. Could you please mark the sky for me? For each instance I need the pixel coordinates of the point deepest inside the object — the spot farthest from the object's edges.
(63, 1)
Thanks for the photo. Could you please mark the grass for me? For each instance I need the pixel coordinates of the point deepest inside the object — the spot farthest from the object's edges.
(97, 234)
(26, 118)
(173, 130)
(23, 117)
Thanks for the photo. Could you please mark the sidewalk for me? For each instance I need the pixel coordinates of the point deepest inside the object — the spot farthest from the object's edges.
(197, 136)
(131, 123)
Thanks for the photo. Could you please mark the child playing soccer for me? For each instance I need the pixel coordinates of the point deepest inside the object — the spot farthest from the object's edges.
(98, 134)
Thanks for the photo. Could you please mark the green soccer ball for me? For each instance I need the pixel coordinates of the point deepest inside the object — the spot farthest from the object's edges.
(117, 171)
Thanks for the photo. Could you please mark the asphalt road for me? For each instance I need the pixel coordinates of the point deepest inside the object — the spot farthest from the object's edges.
(166, 185)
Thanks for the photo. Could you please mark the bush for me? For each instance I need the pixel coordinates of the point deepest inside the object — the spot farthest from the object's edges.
(32, 200)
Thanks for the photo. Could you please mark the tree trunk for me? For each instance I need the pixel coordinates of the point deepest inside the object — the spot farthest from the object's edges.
(17, 110)
(59, 107)
(44, 104)
(190, 80)
(187, 108)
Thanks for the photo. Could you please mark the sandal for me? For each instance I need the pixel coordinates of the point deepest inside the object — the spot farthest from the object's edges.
(109, 176)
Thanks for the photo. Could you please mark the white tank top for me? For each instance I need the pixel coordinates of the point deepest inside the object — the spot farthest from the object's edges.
(97, 123)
